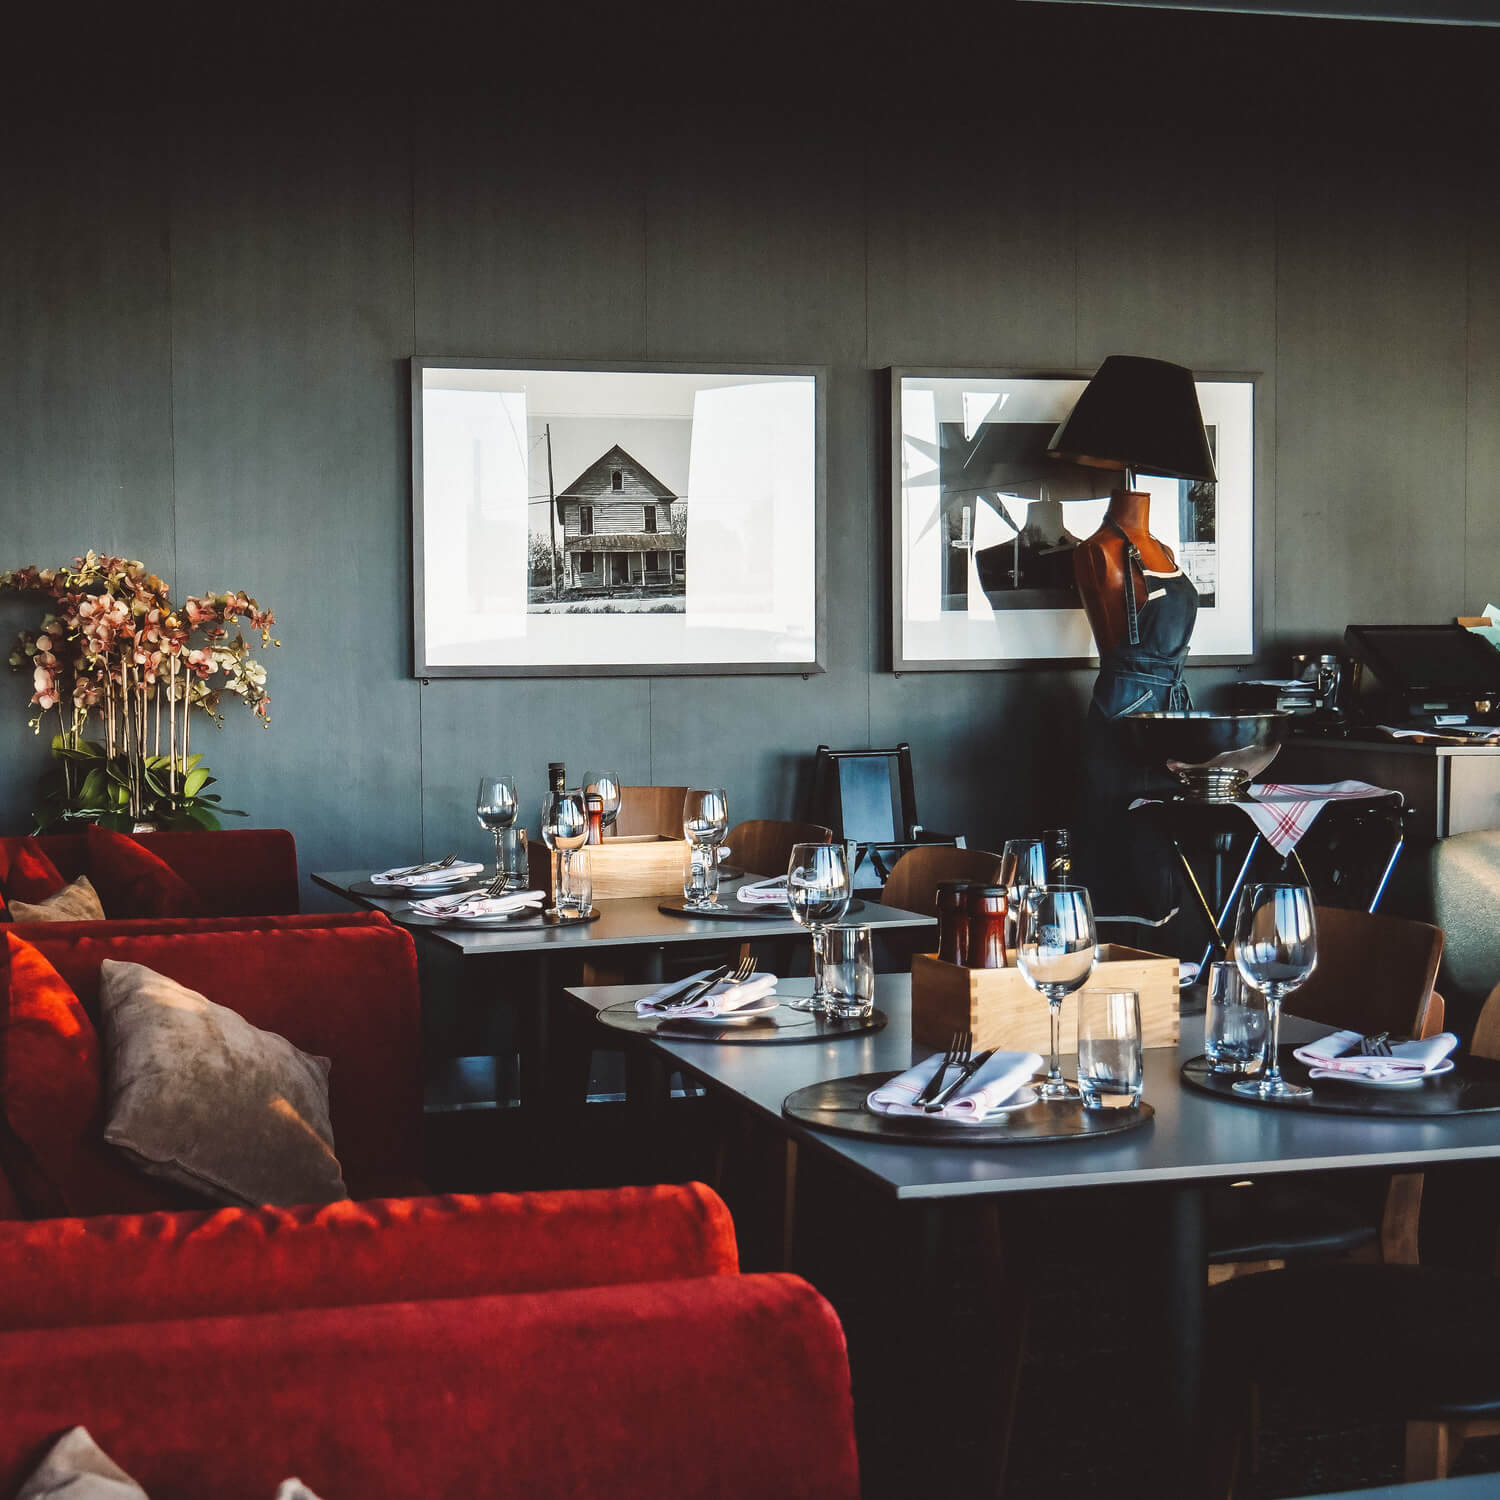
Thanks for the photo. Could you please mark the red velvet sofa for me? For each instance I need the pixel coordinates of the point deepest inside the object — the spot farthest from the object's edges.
(343, 987)
(582, 1344)
(235, 872)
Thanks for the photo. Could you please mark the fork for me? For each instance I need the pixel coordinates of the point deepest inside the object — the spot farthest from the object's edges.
(743, 971)
(960, 1050)
(427, 869)
(1375, 1046)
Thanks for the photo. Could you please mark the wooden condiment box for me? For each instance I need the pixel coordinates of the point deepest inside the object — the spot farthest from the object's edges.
(646, 864)
(1002, 1010)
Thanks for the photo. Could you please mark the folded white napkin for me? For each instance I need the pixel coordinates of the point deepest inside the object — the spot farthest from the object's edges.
(985, 1092)
(763, 892)
(434, 878)
(477, 904)
(1334, 1057)
(722, 1000)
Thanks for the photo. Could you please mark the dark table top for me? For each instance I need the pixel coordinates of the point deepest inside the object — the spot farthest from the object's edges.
(622, 923)
(1193, 1138)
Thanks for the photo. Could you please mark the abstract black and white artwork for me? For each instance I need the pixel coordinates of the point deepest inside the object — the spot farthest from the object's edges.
(984, 521)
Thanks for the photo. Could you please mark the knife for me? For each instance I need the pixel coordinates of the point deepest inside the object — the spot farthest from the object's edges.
(695, 991)
(965, 1074)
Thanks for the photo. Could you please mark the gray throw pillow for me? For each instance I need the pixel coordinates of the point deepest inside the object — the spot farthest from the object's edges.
(197, 1095)
(79, 1469)
(77, 901)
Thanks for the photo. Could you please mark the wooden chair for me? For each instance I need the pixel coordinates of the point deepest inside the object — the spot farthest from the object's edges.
(650, 809)
(1374, 974)
(763, 846)
(1416, 1343)
(914, 878)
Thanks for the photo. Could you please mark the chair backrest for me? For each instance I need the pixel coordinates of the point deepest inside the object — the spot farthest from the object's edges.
(650, 809)
(1374, 973)
(763, 846)
(1464, 885)
(868, 796)
(917, 874)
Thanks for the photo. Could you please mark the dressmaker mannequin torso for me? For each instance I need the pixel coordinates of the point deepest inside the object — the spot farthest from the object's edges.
(1141, 608)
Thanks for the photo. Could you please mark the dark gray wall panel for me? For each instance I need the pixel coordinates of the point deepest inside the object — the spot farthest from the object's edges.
(1482, 530)
(291, 320)
(1177, 251)
(972, 249)
(756, 252)
(85, 399)
(493, 728)
(1370, 392)
(529, 239)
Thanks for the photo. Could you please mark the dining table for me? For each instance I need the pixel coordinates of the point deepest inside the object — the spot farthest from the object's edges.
(1161, 1171)
(520, 968)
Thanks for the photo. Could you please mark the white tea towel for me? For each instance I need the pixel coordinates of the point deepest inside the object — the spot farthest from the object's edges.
(478, 904)
(1335, 1057)
(428, 879)
(722, 1000)
(1283, 812)
(763, 892)
(983, 1094)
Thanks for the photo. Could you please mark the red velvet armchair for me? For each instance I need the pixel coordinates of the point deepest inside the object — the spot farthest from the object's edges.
(234, 872)
(343, 988)
(582, 1344)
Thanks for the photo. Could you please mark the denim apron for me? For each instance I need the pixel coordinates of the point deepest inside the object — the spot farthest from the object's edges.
(1126, 868)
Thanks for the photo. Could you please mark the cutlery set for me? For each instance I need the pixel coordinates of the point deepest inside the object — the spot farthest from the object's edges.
(722, 975)
(960, 1055)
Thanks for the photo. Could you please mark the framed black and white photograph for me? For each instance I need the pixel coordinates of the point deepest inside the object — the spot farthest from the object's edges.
(984, 521)
(615, 519)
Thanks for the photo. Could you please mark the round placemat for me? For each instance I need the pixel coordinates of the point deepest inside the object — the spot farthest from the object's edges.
(511, 924)
(838, 1105)
(781, 1025)
(733, 911)
(1473, 1087)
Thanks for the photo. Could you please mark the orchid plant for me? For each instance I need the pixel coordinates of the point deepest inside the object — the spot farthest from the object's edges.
(114, 650)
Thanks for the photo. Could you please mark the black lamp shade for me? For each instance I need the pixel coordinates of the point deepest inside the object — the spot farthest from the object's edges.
(1139, 414)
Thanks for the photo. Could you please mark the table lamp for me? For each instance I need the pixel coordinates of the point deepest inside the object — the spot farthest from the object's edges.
(1138, 415)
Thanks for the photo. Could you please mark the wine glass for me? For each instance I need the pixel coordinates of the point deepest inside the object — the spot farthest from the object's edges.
(565, 827)
(818, 888)
(1023, 864)
(495, 809)
(1275, 949)
(705, 821)
(1055, 954)
(606, 786)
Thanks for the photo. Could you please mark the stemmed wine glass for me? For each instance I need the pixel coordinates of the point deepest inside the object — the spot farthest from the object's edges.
(1055, 954)
(495, 809)
(1023, 865)
(565, 827)
(705, 821)
(1275, 949)
(606, 786)
(818, 889)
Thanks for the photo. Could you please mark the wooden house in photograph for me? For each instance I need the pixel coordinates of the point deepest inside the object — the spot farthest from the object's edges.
(616, 520)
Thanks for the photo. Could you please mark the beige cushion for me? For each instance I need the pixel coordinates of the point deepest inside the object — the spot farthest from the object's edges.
(79, 1469)
(75, 902)
(195, 1094)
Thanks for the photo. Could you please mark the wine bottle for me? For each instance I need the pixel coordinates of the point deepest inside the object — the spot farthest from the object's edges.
(557, 776)
(1058, 846)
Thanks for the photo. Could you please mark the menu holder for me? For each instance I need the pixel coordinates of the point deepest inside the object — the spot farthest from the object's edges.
(1002, 1010)
(647, 864)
